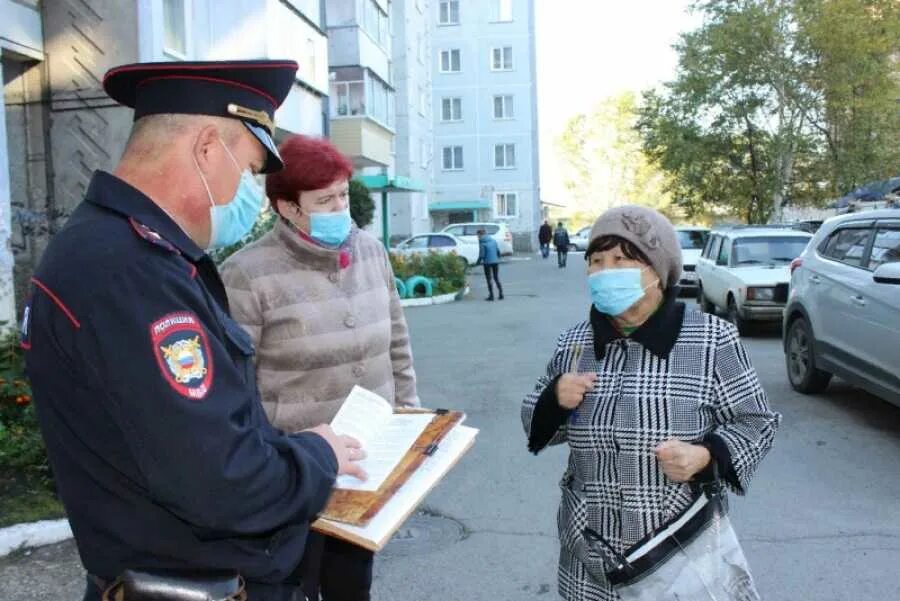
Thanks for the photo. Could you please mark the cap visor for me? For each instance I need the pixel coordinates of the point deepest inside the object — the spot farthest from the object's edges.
(273, 159)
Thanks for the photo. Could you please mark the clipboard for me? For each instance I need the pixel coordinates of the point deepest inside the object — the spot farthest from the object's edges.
(358, 507)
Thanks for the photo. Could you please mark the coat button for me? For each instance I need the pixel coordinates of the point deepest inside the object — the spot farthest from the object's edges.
(334, 277)
(358, 370)
(350, 322)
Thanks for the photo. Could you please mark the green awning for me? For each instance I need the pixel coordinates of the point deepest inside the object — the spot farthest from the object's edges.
(384, 183)
(459, 205)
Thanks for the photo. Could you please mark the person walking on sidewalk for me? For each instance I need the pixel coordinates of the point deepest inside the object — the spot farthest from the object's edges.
(545, 234)
(489, 256)
(561, 242)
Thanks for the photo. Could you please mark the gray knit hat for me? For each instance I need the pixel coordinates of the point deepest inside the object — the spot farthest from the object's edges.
(651, 232)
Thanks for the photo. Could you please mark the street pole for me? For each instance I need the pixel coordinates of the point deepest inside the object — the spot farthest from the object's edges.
(385, 220)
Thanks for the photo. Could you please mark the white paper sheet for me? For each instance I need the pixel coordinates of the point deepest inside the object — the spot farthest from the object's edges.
(386, 437)
(408, 497)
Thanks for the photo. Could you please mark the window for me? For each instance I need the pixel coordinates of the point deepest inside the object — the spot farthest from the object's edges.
(376, 23)
(886, 248)
(310, 59)
(506, 204)
(358, 93)
(416, 243)
(441, 242)
(692, 239)
(449, 12)
(724, 253)
(504, 156)
(847, 245)
(503, 107)
(451, 109)
(767, 250)
(456, 230)
(504, 10)
(450, 61)
(501, 59)
(453, 158)
(174, 28)
(712, 250)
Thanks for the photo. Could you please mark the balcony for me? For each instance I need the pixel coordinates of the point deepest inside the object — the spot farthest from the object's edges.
(362, 116)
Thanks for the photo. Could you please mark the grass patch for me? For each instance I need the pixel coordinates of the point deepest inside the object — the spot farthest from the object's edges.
(27, 499)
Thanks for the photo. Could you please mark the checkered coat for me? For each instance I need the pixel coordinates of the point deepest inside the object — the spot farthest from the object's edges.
(703, 389)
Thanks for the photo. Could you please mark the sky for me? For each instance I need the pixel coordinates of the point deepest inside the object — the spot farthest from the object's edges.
(588, 50)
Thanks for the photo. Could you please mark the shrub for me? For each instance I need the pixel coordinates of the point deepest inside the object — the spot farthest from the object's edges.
(21, 446)
(447, 270)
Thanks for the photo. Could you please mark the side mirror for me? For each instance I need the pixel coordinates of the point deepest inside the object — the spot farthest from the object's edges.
(888, 273)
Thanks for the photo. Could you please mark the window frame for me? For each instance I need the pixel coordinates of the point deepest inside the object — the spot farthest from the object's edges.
(506, 166)
(449, 52)
(453, 101)
(877, 229)
(502, 67)
(453, 157)
(449, 4)
(506, 195)
(505, 115)
(500, 16)
(185, 23)
(869, 227)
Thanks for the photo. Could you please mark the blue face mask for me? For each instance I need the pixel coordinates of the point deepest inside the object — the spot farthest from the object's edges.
(231, 222)
(614, 291)
(331, 229)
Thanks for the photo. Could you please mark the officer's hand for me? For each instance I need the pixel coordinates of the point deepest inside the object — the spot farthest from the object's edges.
(347, 449)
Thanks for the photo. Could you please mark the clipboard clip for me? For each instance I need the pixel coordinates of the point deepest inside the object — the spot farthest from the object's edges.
(430, 449)
(441, 411)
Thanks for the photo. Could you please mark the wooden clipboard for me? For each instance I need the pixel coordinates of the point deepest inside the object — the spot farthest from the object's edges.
(358, 507)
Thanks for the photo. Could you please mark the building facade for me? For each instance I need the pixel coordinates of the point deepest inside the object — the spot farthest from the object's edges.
(485, 115)
(59, 124)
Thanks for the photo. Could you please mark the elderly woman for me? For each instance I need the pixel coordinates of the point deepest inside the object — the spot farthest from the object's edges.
(648, 394)
(317, 295)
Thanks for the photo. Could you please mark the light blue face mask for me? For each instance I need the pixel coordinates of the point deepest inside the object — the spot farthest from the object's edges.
(614, 291)
(331, 229)
(231, 222)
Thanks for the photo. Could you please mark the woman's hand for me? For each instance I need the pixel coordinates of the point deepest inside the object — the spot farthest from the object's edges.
(571, 388)
(681, 460)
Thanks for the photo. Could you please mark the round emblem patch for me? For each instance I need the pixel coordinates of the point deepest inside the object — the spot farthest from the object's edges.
(182, 352)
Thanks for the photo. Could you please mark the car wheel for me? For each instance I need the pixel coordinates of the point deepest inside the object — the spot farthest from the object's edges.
(705, 305)
(800, 357)
(734, 316)
(465, 263)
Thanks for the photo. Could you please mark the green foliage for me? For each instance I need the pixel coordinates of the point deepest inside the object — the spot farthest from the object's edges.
(362, 207)
(777, 101)
(603, 162)
(264, 223)
(448, 270)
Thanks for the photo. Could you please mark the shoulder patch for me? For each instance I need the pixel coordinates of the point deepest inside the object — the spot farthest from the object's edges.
(182, 352)
(151, 236)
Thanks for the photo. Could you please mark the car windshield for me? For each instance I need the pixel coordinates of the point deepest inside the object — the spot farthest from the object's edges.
(769, 249)
(692, 239)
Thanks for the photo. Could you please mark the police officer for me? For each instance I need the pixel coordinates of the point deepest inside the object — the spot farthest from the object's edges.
(144, 386)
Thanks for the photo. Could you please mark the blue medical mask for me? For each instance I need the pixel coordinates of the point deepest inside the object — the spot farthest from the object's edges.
(614, 291)
(231, 222)
(331, 229)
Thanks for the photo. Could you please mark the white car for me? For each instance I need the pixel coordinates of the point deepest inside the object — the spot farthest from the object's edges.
(439, 242)
(843, 311)
(745, 272)
(581, 239)
(498, 231)
(693, 241)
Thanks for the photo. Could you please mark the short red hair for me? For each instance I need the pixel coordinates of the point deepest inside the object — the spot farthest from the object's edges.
(309, 164)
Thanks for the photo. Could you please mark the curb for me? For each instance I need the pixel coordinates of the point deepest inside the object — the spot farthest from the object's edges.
(442, 299)
(33, 534)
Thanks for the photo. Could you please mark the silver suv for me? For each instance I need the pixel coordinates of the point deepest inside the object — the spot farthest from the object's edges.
(843, 312)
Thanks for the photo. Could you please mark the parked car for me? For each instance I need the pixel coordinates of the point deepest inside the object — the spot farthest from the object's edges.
(745, 271)
(692, 241)
(439, 242)
(581, 239)
(843, 312)
(498, 231)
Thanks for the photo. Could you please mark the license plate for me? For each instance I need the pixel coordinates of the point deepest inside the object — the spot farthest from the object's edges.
(689, 276)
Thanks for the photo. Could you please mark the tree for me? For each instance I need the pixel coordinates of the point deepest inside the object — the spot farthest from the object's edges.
(604, 165)
(362, 208)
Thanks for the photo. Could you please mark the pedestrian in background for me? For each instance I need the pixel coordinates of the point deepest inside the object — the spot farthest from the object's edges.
(652, 398)
(489, 256)
(561, 242)
(545, 234)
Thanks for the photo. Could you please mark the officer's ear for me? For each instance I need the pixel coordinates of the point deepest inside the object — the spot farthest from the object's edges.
(207, 148)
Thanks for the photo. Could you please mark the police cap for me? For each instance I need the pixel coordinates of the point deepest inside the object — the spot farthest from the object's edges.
(246, 90)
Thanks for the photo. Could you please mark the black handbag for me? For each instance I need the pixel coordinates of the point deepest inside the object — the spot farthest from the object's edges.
(135, 585)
